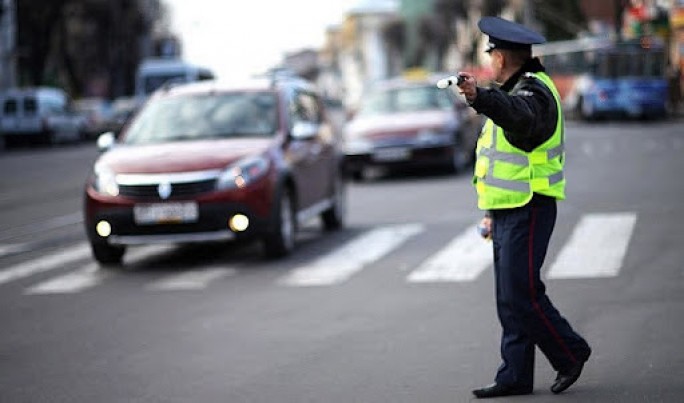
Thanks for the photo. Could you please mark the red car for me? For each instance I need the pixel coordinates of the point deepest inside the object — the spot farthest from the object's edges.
(409, 122)
(215, 162)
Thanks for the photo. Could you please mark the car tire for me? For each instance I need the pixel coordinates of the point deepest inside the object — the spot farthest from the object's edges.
(47, 138)
(280, 240)
(357, 175)
(333, 218)
(108, 255)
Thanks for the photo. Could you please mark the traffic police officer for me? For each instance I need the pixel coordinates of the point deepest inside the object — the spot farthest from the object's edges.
(518, 178)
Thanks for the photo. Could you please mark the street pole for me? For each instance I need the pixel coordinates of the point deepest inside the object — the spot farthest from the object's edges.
(8, 45)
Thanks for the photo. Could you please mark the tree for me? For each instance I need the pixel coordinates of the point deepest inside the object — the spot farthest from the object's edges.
(36, 23)
(75, 44)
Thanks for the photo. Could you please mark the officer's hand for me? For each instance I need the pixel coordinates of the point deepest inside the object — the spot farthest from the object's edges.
(485, 227)
(468, 87)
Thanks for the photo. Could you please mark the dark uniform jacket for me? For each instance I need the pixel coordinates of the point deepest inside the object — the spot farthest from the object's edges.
(523, 106)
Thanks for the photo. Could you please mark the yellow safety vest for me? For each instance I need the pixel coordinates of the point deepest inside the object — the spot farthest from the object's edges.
(506, 176)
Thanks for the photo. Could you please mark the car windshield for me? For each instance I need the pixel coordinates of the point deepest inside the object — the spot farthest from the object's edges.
(406, 99)
(210, 116)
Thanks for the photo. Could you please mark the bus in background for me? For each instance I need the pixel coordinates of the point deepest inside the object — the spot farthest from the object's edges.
(152, 74)
(598, 77)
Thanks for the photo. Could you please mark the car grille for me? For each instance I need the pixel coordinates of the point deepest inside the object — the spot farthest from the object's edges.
(178, 190)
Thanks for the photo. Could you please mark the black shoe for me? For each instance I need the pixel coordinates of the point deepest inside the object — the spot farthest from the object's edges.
(565, 379)
(495, 390)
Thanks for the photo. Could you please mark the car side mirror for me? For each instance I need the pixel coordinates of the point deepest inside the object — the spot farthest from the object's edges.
(105, 141)
(304, 130)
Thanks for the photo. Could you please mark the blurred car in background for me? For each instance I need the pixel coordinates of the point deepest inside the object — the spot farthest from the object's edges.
(154, 73)
(39, 115)
(123, 110)
(207, 162)
(409, 122)
(96, 112)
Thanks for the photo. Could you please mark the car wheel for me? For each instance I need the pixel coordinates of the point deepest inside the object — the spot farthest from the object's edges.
(333, 218)
(280, 241)
(357, 175)
(48, 138)
(108, 255)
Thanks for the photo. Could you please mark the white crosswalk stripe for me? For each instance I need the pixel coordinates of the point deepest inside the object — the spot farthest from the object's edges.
(76, 281)
(191, 280)
(463, 259)
(596, 247)
(46, 263)
(88, 276)
(342, 263)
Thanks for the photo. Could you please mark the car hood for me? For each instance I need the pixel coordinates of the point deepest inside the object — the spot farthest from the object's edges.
(404, 123)
(184, 156)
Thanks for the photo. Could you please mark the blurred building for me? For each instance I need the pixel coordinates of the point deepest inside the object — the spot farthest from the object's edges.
(304, 63)
(363, 57)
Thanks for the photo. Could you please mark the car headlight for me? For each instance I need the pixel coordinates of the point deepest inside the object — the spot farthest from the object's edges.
(243, 173)
(104, 181)
(357, 146)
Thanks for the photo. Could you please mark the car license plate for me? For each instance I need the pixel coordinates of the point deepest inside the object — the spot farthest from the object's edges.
(392, 154)
(165, 213)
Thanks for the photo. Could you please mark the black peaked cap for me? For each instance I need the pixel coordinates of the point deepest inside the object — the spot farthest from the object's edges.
(505, 34)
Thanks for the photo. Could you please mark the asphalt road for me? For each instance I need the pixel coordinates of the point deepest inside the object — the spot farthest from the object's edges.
(397, 307)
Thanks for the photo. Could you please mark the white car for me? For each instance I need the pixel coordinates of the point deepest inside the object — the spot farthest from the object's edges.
(39, 114)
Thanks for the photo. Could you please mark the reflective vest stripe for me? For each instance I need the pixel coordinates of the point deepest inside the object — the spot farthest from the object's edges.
(535, 157)
(525, 187)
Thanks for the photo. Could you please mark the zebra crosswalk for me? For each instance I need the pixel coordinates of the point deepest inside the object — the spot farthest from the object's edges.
(595, 249)
(340, 264)
(463, 259)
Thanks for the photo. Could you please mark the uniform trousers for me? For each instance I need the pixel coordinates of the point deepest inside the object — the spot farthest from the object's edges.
(528, 318)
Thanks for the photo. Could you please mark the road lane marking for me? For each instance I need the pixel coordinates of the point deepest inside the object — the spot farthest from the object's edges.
(49, 224)
(596, 247)
(90, 275)
(463, 259)
(45, 263)
(191, 280)
(78, 280)
(342, 263)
